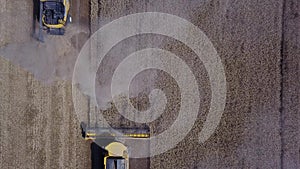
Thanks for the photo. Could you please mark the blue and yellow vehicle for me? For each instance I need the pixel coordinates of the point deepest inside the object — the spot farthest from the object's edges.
(53, 16)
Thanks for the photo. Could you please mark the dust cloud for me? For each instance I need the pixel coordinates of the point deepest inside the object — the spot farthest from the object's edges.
(49, 61)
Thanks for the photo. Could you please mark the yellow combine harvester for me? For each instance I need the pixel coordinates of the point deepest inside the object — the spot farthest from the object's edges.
(53, 16)
(107, 152)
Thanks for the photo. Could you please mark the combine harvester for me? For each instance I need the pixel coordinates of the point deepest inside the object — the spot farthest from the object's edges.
(107, 151)
(109, 148)
(52, 15)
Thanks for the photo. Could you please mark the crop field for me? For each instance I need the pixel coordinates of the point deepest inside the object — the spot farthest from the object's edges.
(257, 42)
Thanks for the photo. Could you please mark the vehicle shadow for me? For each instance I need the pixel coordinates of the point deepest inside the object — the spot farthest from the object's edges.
(35, 15)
